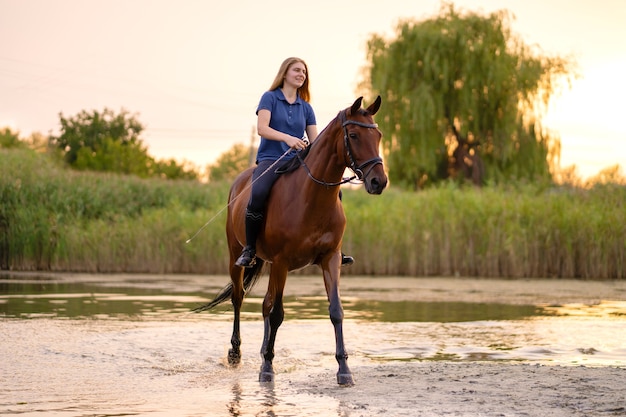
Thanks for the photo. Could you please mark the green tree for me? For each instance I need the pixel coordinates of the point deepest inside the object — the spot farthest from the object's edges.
(231, 163)
(105, 141)
(10, 139)
(112, 155)
(171, 169)
(463, 80)
(87, 137)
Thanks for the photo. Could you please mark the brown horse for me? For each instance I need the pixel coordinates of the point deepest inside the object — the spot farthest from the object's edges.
(304, 225)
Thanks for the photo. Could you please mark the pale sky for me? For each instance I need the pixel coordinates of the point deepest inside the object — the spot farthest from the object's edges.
(193, 71)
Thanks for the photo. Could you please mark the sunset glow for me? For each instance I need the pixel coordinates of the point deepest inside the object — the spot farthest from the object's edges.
(193, 71)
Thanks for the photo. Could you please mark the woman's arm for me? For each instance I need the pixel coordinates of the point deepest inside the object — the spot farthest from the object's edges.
(311, 132)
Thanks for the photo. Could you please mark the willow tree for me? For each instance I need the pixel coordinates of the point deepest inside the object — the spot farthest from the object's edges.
(463, 79)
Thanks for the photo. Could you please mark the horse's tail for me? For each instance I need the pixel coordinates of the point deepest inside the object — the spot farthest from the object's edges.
(250, 278)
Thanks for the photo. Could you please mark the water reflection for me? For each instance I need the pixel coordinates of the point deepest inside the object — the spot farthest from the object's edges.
(47, 298)
(447, 331)
(234, 406)
(34, 298)
(123, 345)
(265, 399)
(604, 309)
(412, 311)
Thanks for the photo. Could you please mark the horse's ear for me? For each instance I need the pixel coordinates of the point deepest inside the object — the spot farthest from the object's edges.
(373, 108)
(356, 105)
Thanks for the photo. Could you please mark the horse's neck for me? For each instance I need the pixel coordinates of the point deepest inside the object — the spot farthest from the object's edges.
(318, 191)
(322, 168)
(323, 161)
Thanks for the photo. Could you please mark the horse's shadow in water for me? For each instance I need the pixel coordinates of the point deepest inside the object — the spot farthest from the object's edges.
(304, 225)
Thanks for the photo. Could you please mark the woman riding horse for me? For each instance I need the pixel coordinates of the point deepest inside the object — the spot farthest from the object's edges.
(284, 115)
(304, 225)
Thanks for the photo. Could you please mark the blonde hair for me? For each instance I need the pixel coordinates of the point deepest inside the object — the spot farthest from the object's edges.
(303, 91)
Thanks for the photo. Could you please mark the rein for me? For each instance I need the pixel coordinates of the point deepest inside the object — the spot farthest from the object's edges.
(356, 169)
(237, 196)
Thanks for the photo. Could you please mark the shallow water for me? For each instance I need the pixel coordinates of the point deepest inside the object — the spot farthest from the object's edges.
(77, 345)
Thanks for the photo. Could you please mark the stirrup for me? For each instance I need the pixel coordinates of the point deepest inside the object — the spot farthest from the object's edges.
(346, 260)
(247, 259)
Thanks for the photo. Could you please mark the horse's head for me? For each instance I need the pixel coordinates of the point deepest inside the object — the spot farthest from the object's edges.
(362, 145)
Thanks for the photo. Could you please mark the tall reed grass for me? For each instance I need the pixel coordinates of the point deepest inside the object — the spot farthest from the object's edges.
(52, 218)
(491, 232)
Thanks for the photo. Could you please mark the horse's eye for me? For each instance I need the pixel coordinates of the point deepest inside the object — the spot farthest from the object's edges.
(353, 135)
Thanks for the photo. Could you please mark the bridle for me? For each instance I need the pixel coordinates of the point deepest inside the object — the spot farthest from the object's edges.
(356, 169)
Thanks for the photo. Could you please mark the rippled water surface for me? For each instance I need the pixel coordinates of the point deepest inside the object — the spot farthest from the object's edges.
(77, 345)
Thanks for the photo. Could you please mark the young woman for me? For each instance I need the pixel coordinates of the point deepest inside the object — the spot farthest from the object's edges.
(284, 115)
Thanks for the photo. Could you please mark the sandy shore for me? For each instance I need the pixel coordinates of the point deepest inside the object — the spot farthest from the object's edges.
(479, 389)
(482, 388)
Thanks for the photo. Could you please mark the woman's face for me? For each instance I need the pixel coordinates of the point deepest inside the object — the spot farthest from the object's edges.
(296, 75)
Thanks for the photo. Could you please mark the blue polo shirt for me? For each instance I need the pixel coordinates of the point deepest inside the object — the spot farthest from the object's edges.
(288, 118)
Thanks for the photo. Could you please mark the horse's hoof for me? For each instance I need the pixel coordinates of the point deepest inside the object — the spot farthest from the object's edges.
(345, 380)
(234, 358)
(267, 373)
(266, 377)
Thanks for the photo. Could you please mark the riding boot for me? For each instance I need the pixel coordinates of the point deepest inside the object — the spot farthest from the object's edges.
(346, 259)
(254, 222)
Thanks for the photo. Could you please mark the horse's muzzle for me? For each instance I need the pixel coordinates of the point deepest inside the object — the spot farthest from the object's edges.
(375, 184)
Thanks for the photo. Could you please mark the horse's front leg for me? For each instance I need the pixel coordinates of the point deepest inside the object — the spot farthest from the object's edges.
(273, 315)
(331, 282)
(234, 353)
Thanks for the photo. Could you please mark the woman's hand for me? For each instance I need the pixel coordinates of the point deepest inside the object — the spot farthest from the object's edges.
(295, 143)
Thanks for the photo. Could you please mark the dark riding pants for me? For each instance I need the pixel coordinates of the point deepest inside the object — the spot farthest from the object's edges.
(262, 182)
